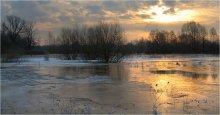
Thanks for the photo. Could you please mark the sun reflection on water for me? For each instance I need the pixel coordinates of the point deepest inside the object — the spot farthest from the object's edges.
(175, 85)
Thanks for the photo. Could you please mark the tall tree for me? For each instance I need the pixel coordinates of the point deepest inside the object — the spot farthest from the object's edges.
(193, 32)
(51, 38)
(172, 37)
(29, 35)
(213, 35)
(14, 26)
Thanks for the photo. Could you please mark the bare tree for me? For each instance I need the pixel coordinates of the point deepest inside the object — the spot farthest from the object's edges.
(14, 26)
(193, 32)
(29, 35)
(51, 38)
(202, 36)
(71, 39)
(213, 35)
(172, 37)
(17, 36)
(109, 37)
(158, 36)
(65, 42)
(100, 41)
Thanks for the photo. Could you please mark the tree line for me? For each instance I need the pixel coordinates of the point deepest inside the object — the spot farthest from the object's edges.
(17, 36)
(105, 41)
(193, 38)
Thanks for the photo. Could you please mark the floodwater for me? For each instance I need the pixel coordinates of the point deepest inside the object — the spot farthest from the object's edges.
(148, 84)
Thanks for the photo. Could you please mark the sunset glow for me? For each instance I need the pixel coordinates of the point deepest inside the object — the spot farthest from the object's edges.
(133, 15)
(110, 57)
(160, 16)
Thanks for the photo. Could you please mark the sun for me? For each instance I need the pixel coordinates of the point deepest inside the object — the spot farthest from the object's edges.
(157, 15)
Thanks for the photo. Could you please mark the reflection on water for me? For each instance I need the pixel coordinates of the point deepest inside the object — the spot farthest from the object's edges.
(159, 84)
(141, 70)
(175, 85)
(185, 73)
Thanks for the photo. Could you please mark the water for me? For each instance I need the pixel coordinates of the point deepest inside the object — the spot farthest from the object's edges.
(139, 84)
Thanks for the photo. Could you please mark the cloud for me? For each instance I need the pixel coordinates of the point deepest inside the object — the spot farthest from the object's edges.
(144, 16)
(170, 3)
(136, 16)
(6, 9)
(169, 11)
(94, 9)
(24, 9)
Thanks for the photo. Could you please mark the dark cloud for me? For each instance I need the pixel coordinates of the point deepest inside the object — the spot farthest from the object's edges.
(113, 6)
(170, 3)
(24, 9)
(94, 9)
(144, 16)
(126, 16)
(124, 6)
(154, 13)
(65, 13)
(169, 11)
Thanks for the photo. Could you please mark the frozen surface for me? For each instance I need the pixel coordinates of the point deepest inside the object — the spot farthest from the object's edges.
(139, 84)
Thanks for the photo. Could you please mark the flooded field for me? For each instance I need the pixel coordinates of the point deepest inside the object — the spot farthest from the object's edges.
(148, 84)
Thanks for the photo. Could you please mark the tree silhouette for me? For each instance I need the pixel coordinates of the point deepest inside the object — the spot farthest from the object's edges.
(13, 26)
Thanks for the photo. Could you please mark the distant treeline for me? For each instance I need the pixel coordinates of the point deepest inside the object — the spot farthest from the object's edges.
(193, 38)
(106, 40)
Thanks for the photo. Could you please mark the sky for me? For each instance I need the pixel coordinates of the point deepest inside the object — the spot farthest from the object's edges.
(137, 17)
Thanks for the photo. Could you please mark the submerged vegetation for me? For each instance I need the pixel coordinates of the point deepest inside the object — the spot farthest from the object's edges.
(104, 41)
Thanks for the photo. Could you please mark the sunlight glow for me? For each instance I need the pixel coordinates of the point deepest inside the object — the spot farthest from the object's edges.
(158, 15)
